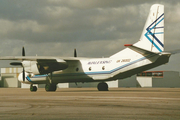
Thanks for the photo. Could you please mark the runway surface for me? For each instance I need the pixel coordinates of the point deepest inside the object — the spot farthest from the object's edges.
(90, 104)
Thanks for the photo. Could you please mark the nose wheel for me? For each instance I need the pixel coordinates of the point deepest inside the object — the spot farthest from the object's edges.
(102, 86)
(33, 88)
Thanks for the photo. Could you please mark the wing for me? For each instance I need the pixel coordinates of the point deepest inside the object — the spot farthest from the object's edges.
(34, 58)
(45, 64)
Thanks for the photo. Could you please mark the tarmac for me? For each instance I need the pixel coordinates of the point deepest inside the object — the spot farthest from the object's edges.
(90, 104)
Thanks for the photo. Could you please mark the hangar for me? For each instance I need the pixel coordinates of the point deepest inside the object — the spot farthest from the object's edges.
(158, 79)
(9, 77)
(145, 79)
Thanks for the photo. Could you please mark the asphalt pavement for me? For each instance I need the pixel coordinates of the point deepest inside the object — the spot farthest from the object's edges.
(90, 104)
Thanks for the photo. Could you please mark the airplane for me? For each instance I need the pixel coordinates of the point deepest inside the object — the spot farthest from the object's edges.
(145, 54)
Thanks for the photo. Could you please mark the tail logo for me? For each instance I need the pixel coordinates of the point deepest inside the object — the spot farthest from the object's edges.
(150, 33)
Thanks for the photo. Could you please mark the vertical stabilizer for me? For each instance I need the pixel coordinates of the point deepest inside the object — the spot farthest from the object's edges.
(152, 38)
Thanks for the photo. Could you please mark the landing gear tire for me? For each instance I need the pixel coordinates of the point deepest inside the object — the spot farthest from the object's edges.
(102, 87)
(50, 87)
(33, 88)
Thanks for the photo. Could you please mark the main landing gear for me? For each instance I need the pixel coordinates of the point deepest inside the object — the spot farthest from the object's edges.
(102, 86)
(50, 87)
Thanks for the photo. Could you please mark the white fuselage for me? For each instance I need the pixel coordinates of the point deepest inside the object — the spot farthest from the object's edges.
(102, 69)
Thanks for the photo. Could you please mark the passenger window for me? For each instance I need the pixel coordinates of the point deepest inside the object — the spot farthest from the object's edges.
(90, 69)
(103, 68)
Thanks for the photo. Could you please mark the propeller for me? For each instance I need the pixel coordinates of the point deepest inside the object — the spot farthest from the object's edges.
(16, 63)
(23, 74)
(20, 64)
(23, 54)
(75, 53)
(23, 51)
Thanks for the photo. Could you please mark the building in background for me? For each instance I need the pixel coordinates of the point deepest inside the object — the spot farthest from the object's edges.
(145, 79)
(158, 79)
(9, 77)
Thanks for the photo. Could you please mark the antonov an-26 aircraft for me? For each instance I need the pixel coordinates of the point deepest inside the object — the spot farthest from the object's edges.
(145, 54)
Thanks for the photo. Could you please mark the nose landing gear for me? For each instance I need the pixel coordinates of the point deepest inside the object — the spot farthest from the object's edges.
(33, 88)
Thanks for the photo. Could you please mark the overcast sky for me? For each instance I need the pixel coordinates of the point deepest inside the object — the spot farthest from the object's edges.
(95, 28)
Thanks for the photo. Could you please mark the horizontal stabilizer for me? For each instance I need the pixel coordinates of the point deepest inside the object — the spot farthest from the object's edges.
(139, 50)
(175, 51)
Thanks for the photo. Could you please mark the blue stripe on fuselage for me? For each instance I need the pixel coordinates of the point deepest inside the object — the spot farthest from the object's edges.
(29, 80)
(106, 72)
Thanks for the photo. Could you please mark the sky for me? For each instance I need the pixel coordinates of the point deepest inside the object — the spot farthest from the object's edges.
(96, 28)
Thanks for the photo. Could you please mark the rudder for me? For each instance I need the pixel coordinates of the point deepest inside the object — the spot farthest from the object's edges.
(152, 37)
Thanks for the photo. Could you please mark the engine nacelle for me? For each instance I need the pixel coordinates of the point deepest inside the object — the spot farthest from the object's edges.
(31, 67)
(20, 77)
(44, 66)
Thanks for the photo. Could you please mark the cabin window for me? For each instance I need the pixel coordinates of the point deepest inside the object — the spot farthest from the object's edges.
(103, 68)
(90, 69)
(77, 69)
(118, 61)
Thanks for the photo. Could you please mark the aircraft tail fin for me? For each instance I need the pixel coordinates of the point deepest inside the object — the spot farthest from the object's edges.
(152, 38)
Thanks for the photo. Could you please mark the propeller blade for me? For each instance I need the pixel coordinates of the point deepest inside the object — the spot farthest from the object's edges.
(23, 51)
(23, 54)
(16, 63)
(23, 74)
(75, 53)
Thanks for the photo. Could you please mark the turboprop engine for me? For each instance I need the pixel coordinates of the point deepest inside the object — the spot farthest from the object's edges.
(30, 67)
(38, 66)
(20, 77)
